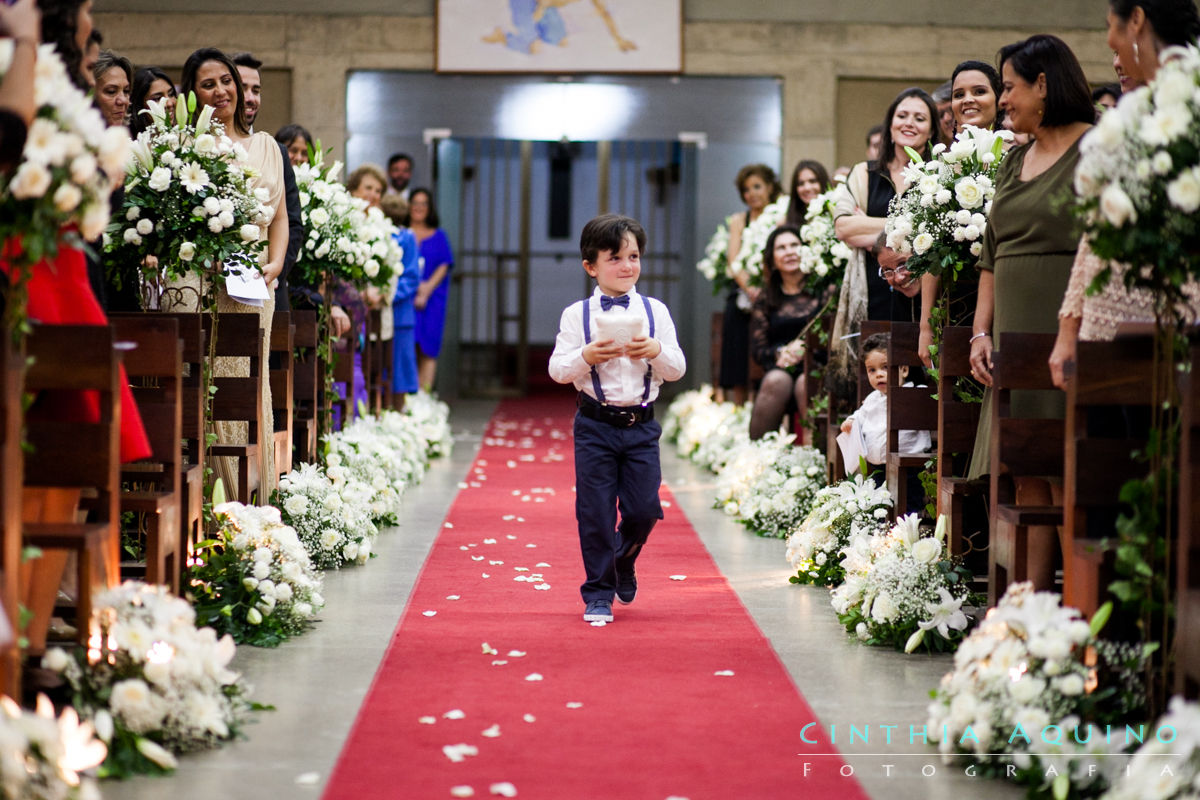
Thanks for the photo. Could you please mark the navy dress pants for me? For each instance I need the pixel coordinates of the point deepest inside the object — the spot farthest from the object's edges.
(615, 469)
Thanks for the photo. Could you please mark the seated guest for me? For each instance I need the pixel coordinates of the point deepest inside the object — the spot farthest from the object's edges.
(778, 321)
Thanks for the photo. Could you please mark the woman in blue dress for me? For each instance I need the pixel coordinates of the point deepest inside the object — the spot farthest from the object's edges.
(436, 260)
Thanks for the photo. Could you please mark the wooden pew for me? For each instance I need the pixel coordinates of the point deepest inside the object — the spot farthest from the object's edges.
(379, 376)
(194, 339)
(307, 378)
(155, 370)
(343, 372)
(1107, 381)
(75, 456)
(240, 399)
(958, 423)
(1021, 447)
(1187, 552)
(12, 475)
(282, 346)
(909, 408)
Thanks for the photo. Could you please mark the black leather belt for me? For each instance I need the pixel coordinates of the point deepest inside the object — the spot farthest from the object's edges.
(617, 416)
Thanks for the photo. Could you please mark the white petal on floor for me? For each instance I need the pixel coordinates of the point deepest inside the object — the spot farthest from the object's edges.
(541, 564)
(477, 558)
(488, 650)
(482, 462)
(500, 662)
(521, 578)
(454, 713)
(511, 464)
(525, 498)
(519, 519)
(308, 779)
(427, 720)
(475, 484)
(724, 673)
(505, 789)
(459, 752)
(516, 653)
(463, 547)
(453, 597)
(491, 732)
(597, 624)
(495, 563)
(679, 577)
(531, 544)
(509, 517)
(489, 541)
(510, 537)
(462, 485)
(529, 718)
(472, 544)
(574, 704)
(520, 569)
(447, 524)
(516, 492)
(462, 791)
(533, 676)
(485, 575)
(676, 797)
(429, 613)
(542, 586)
(666, 504)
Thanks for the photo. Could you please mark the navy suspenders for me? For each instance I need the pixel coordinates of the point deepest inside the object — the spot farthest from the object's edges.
(587, 339)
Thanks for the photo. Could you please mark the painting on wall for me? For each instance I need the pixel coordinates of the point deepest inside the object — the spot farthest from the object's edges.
(560, 36)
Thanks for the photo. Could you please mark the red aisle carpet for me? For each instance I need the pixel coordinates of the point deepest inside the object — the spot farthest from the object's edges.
(642, 708)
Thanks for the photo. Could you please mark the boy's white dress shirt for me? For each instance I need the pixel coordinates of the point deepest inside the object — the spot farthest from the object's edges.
(622, 379)
(872, 418)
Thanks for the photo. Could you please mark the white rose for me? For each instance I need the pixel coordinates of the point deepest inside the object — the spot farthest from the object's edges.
(55, 660)
(250, 584)
(214, 224)
(212, 206)
(1118, 209)
(206, 144)
(95, 220)
(160, 179)
(942, 197)
(262, 571)
(131, 236)
(371, 268)
(296, 505)
(883, 608)
(226, 218)
(1027, 689)
(1183, 192)
(927, 551)
(225, 204)
(249, 233)
(969, 193)
(971, 233)
(32, 180)
(963, 217)
(283, 592)
(187, 251)
(67, 197)
(976, 248)
(254, 616)
(1162, 162)
(922, 243)
(132, 213)
(261, 194)
(1070, 685)
(83, 167)
(145, 227)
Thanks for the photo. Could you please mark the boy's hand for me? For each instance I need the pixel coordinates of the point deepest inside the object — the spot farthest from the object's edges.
(643, 347)
(602, 350)
(848, 425)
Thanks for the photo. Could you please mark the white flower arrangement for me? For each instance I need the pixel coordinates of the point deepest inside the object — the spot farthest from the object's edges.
(714, 266)
(823, 256)
(1027, 671)
(43, 755)
(432, 420)
(741, 466)
(253, 579)
(728, 428)
(188, 200)
(903, 589)
(151, 682)
(783, 493)
(68, 166)
(1165, 770)
(749, 258)
(698, 425)
(344, 240)
(940, 221)
(854, 507)
(330, 512)
(1137, 184)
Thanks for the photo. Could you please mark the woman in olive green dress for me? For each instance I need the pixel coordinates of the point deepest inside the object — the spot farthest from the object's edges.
(1030, 243)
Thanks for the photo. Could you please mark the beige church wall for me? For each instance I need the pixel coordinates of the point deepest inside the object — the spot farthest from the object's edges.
(815, 60)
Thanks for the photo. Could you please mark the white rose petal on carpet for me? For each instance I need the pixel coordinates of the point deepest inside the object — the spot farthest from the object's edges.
(427, 720)
(488, 650)
(491, 732)
(459, 752)
(489, 541)
(511, 537)
(429, 613)
(679, 577)
(529, 718)
(477, 558)
(447, 524)
(574, 704)
(453, 597)
(462, 791)
(541, 564)
(533, 676)
(542, 587)
(454, 713)
(308, 779)
(484, 574)
(516, 653)
(503, 789)
(724, 673)
(499, 662)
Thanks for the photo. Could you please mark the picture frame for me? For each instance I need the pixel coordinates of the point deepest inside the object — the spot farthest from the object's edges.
(559, 36)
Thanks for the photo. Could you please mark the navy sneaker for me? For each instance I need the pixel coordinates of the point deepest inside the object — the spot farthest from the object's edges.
(598, 611)
(626, 586)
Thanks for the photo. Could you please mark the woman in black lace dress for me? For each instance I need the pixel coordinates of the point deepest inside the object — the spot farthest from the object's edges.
(778, 318)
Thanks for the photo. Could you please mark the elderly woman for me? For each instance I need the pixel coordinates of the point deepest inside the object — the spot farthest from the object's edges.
(114, 79)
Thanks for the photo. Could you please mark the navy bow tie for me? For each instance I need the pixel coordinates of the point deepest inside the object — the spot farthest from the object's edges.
(607, 302)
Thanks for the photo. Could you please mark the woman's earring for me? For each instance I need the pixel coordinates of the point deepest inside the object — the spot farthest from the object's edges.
(1136, 55)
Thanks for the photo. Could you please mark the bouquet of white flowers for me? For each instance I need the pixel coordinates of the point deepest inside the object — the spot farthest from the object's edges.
(783, 493)
(42, 756)
(188, 201)
(749, 258)
(741, 466)
(151, 681)
(67, 168)
(1030, 678)
(330, 512)
(1138, 180)
(903, 589)
(714, 266)
(342, 240)
(432, 419)
(385, 462)
(730, 432)
(823, 256)
(253, 579)
(939, 222)
(1165, 770)
(853, 507)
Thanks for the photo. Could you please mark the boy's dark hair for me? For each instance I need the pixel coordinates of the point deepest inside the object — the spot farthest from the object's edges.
(874, 342)
(247, 60)
(607, 232)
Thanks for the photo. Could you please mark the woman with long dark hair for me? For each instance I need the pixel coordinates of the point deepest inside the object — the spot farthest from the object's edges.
(149, 84)
(809, 179)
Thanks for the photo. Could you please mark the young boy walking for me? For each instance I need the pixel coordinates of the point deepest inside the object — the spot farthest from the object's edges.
(617, 347)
